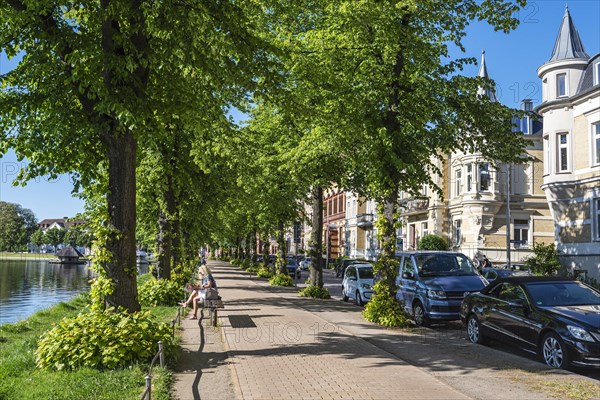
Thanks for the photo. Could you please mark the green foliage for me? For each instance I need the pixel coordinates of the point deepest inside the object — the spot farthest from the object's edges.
(315, 292)
(433, 242)
(545, 259)
(281, 280)
(102, 340)
(21, 379)
(55, 236)
(100, 289)
(160, 292)
(384, 309)
(264, 273)
(16, 226)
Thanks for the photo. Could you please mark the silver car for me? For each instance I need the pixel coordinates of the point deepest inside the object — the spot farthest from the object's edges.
(358, 283)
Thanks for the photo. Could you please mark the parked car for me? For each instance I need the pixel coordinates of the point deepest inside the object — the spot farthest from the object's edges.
(491, 274)
(305, 264)
(342, 264)
(292, 267)
(555, 317)
(358, 283)
(432, 284)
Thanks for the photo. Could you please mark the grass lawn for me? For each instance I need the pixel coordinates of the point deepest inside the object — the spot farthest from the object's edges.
(21, 379)
(5, 255)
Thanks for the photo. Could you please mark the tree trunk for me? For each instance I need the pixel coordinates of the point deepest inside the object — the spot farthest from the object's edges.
(387, 235)
(316, 237)
(163, 245)
(280, 263)
(121, 243)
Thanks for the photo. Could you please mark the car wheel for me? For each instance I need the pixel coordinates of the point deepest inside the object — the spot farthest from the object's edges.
(419, 314)
(554, 351)
(474, 330)
(344, 296)
(358, 299)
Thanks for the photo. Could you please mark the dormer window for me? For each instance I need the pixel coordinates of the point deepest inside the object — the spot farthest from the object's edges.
(597, 74)
(561, 85)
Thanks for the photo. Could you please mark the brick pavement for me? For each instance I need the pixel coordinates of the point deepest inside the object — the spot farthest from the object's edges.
(268, 347)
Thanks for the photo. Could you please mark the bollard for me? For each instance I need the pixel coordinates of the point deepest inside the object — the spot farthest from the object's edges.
(149, 386)
(162, 354)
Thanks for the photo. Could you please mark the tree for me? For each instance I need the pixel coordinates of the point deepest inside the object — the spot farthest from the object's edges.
(16, 226)
(388, 83)
(433, 242)
(37, 238)
(545, 259)
(92, 79)
(55, 237)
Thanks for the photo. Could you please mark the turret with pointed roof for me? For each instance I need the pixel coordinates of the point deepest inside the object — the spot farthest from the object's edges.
(561, 74)
(568, 44)
(483, 73)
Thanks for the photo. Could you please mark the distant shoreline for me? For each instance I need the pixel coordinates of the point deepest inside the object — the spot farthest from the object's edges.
(26, 256)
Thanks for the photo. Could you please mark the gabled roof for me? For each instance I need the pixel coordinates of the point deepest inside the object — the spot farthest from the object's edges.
(568, 44)
(483, 73)
(69, 251)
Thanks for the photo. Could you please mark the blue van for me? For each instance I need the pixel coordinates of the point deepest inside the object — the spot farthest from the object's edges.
(432, 284)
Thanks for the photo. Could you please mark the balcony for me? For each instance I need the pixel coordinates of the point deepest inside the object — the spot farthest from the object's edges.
(364, 221)
(413, 205)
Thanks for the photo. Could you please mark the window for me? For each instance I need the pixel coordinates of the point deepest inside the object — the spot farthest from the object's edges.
(341, 204)
(561, 85)
(424, 230)
(547, 161)
(521, 233)
(457, 232)
(457, 182)
(597, 71)
(335, 206)
(545, 89)
(469, 177)
(520, 179)
(596, 216)
(596, 141)
(408, 265)
(424, 190)
(485, 177)
(563, 152)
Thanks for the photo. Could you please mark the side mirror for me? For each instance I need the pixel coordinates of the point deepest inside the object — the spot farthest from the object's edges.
(407, 275)
(352, 278)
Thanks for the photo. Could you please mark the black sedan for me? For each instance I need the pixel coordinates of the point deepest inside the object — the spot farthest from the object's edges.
(491, 274)
(555, 317)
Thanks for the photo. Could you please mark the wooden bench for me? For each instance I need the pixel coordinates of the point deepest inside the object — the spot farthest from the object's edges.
(212, 306)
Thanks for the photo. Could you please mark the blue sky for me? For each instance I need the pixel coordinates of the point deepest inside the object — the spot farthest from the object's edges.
(512, 61)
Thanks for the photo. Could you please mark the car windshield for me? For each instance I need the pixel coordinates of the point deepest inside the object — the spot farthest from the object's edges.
(444, 265)
(365, 273)
(562, 294)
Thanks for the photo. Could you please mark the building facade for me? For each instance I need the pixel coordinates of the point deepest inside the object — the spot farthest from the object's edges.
(571, 142)
(486, 208)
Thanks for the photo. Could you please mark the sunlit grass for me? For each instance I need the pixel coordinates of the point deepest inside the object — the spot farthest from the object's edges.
(21, 379)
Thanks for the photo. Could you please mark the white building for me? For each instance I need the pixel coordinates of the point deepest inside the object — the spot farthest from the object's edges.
(571, 110)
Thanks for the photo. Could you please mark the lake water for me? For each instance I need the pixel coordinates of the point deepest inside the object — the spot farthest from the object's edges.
(27, 286)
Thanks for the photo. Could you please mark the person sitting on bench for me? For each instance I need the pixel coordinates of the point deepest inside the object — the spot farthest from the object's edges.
(199, 294)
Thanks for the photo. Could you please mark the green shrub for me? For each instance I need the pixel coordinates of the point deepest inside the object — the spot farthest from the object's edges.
(264, 273)
(545, 259)
(102, 340)
(160, 292)
(315, 292)
(384, 309)
(433, 242)
(281, 280)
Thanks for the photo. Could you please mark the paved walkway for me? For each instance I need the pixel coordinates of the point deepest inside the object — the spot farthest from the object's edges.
(268, 346)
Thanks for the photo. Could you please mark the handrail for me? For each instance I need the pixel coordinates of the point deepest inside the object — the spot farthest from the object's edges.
(160, 355)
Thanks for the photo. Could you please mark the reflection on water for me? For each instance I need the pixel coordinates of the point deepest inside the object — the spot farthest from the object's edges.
(27, 286)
